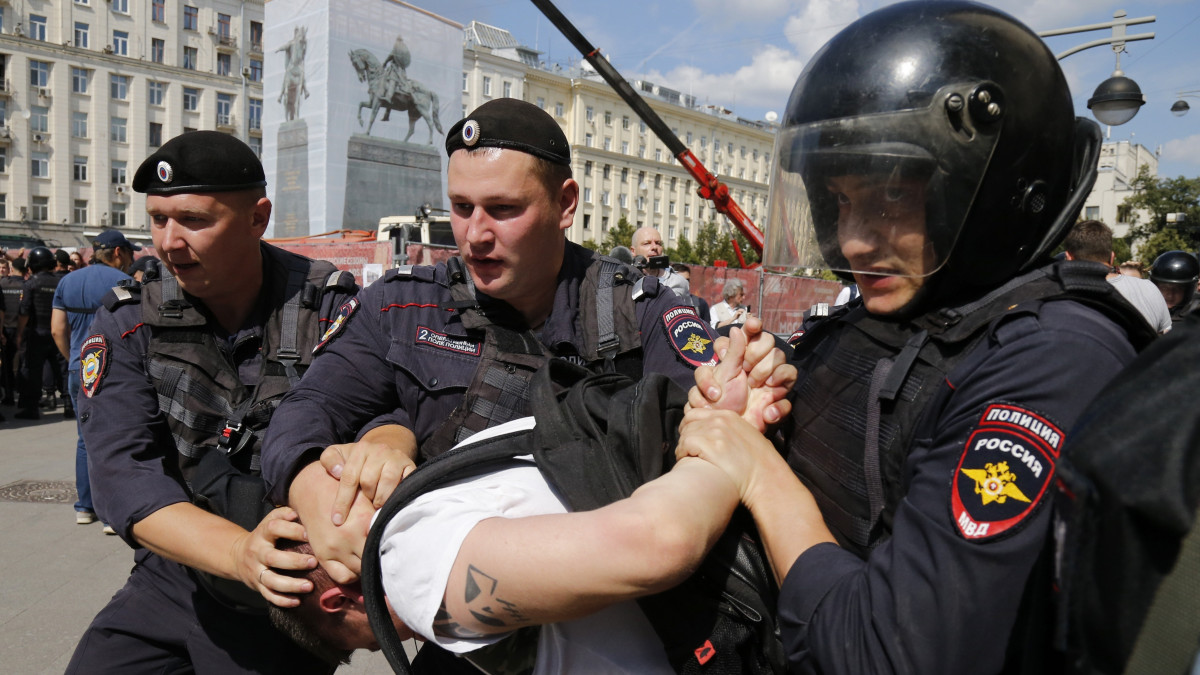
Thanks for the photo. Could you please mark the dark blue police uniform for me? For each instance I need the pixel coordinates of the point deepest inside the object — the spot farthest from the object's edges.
(37, 295)
(934, 582)
(402, 355)
(164, 619)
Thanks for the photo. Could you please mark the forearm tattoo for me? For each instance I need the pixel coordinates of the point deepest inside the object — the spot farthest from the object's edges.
(479, 596)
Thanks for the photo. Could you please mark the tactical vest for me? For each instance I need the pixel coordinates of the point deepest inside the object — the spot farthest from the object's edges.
(11, 287)
(863, 400)
(44, 284)
(511, 354)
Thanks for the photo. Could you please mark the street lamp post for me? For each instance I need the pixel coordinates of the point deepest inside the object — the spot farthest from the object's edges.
(1118, 98)
(1180, 107)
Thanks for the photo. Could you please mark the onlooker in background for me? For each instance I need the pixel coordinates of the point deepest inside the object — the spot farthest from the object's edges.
(76, 300)
(1091, 240)
(1132, 268)
(62, 262)
(731, 310)
(698, 302)
(10, 284)
(144, 268)
(1176, 274)
(647, 242)
(33, 330)
(77, 261)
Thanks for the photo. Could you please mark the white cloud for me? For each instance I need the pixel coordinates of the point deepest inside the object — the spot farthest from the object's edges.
(819, 21)
(1182, 150)
(766, 81)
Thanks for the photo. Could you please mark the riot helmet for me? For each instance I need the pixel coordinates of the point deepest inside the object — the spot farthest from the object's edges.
(40, 259)
(1176, 274)
(945, 127)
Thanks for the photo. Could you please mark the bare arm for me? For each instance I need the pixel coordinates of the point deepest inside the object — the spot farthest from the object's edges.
(61, 331)
(543, 569)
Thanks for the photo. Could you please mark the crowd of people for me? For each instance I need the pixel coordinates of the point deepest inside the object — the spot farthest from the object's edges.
(244, 412)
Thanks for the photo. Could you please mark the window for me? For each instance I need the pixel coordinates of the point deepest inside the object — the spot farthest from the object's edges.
(508, 90)
(608, 118)
(689, 138)
(256, 35)
(607, 171)
(121, 6)
(39, 73)
(154, 135)
(3, 206)
(589, 113)
(625, 122)
(587, 140)
(657, 181)
(79, 168)
(79, 80)
(558, 110)
(608, 142)
(642, 150)
(224, 109)
(704, 141)
(191, 18)
(39, 118)
(587, 195)
(604, 223)
(117, 210)
(541, 103)
(83, 2)
(256, 145)
(623, 200)
(223, 26)
(117, 127)
(224, 64)
(120, 43)
(158, 49)
(119, 87)
(487, 86)
(657, 205)
(37, 27)
(658, 154)
(256, 70)
(642, 127)
(587, 221)
(587, 168)
(81, 35)
(79, 212)
(158, 10)
(604, 198)
(687, 210)
(79, 124)
(625, 174)
(39, 165)
(671, 209)
(155, 92)
(729, 148)
(671, 232)
(191, 99)
(624, 147)
(40, 209)
(1092, 213)
(3, 159)
(118, 172)
(190, 56)
(255, 113)
(465, 83)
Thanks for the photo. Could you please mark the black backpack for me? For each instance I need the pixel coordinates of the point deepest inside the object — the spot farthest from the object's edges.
(597, 439)
(1128, 549)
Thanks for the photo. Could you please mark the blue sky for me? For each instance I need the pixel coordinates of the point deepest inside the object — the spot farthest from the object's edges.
(746, 54)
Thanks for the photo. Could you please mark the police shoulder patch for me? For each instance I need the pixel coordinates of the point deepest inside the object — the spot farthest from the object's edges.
(93, 364)
(338, 324)
(1004, 472)
(690, 336)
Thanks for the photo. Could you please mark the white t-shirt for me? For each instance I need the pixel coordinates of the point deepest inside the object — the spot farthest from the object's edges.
(723, 313)
(1145, 296)
(420, 545)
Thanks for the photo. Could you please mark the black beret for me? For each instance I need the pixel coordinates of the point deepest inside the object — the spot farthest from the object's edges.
(200, 161)
(513, 124)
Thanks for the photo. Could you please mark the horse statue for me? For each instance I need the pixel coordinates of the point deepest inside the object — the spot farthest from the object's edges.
(407, 95)
(293, 75)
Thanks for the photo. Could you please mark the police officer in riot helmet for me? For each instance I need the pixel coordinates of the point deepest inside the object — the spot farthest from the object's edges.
(1176, 274)
(34, 339)
(929, 152)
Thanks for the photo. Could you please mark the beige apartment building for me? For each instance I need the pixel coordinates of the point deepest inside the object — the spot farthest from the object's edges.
(623, 169)
(1119, 165)
(89, 88)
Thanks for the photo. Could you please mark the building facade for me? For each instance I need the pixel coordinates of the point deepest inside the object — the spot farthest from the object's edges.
(91, 87)
(623, 169)
(1119, 165)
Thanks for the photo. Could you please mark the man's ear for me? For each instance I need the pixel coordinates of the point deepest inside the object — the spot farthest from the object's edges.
(334, 600)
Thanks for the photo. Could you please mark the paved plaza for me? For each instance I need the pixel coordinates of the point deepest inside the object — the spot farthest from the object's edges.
(57, 574)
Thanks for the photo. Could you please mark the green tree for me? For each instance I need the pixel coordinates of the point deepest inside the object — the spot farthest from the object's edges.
(713, 243)
(683, 252)
(621, 235)
(591, 245)
(1159, 197)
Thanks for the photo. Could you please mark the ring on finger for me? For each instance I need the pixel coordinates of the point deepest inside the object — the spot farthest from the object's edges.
(260, 575)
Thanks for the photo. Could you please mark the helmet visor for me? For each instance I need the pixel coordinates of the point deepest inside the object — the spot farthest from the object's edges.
(884, 194)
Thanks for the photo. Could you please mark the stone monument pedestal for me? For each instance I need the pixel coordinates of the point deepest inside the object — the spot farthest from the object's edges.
(389, 178)
(291, 190)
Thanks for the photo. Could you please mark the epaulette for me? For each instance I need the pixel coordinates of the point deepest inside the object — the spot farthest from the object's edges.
(124, 294)
(646, 286)
(418, 272)
(341, 280)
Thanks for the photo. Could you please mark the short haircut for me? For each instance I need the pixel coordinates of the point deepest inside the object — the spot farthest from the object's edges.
(1090, 240)
(107, 255)
(681, 268)
(300, 623)
(732, 288)
(550, 174)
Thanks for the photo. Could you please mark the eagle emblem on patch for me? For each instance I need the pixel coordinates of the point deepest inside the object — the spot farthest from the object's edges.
(339, 323)
(93, 364)
(690, 336)
(1007, 465)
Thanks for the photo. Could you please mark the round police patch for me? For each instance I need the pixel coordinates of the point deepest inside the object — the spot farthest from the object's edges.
(338, 325)
(93, 364)
(690, 336)
(165, 173)
(470, 133)
(1006, 466)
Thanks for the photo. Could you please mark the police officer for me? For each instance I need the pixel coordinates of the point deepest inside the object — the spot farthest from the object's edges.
(442, 352)
(10, 285)
(34, 339)
(929, 152)
(180, 377)
(1176, 274)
